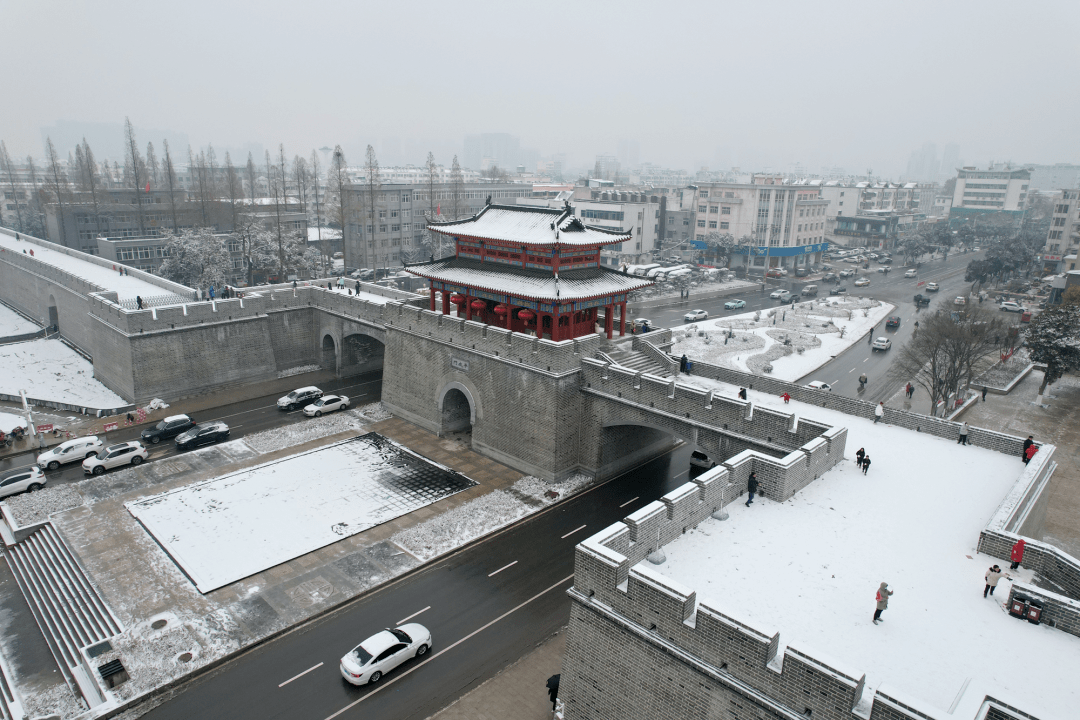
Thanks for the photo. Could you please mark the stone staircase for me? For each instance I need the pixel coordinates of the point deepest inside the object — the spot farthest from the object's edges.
(638, 362)
(68, 609)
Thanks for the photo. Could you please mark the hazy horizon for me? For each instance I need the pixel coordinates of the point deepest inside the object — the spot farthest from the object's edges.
(849, 84)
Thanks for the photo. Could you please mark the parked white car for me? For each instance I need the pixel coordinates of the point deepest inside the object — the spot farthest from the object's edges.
(69, 451)
(1010, 306)
(30, 478)
(384, 651)
(325, 404)
(127, 453)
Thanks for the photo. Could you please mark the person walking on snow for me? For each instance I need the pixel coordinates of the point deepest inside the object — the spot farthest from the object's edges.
(984, 393)
(138, 301)
(865, 464)
(879, 411)
(341, 283)
(787, 398)
(859, 456)
(742, 393)
(211, 292)
(1030, 453)
(883, 594)
(751, 487)
(963, 434)
(357, 287)
(992, 577)
(910, 390)
(682, 364)
(1017, 554)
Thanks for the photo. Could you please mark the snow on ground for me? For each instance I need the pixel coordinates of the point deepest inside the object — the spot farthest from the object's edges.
(275, 512)
(350, 286)
(127, 286)
(50, 370)
(813, 326)
(327, 234)
(32, 508)
(315, 428)
(12, 323)
(476, 518)
(810, 568)
(9, 422)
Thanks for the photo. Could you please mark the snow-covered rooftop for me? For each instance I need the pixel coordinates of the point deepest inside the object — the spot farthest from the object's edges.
(82, 266)
(50, 370)
(810, 568)
(529, 225)
(12, 323)
(572, 284)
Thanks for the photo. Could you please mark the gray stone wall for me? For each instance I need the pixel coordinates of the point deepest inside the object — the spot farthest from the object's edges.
(1057, 610)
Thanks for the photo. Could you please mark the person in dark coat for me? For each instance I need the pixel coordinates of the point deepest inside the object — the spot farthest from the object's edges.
(865, 464)
(859, 456)
(682, 364)
(751, 487)
(1027, 443)
(984, 393)
(883, 595)
(1030, 453)
(992, 577)
(138, 301)
(742, 393)
(1017, 554)
(357, 287)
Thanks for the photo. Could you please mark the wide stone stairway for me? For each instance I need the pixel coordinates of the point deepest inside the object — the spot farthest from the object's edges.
(638, 362)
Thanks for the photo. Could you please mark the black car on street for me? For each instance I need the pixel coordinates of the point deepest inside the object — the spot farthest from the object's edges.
(202, 434)
(170, 427)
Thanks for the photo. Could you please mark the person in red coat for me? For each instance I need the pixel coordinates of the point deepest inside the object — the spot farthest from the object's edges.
(787, 398)
(1017, 554)
(1030, 453)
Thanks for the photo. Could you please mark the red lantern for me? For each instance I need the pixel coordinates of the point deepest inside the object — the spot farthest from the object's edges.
(501, 309)
(526, 315)
(457, 299)
(478, 305)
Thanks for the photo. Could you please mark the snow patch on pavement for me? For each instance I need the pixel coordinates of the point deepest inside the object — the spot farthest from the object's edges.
(315, 428)
(9, 422)
(36, 507)
(12, 323)
(50, 370)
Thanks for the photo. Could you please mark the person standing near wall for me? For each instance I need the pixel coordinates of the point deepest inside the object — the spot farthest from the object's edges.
(879, 411)
(963, 434)
(1017, 554)
(1030, 453)
(992, 577)
(751, 487)
(883, 595)
(742, 393)
(1027, 443)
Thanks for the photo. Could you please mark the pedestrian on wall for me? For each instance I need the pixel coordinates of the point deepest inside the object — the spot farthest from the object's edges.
(329, 287)
(751, 487)
(865, 464)
(859, 456)
(879, 411)
(138, 301)
(883, 595)
(992, 577)
(1027, 443)
(682, 364)
(1017, 553)
(357, 287)
(341, 283)
(211, 292)
(742, 393)
(787, 398)
(293, 284)
(1030, 453)
(984, 393)
(963, 434)
(910, 389)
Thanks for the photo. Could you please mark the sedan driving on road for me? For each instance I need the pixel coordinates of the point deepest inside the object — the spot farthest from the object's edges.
(202, 434)
(911, 273)
(818, 385)
(960, 300)
(30, 478)
(893, 322)
(170, 427)
(846, 273)
(838, 291)
(70, 451)
(128, 453)
(328, 403)
(734, 304)
(882, 343)
(695, 315)
(384, 651)
(299, 398)
(862, 282)
(932, 287)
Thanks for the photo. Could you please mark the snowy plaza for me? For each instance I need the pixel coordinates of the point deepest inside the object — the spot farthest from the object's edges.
(809, 568)
(50, 370)
(225, 529)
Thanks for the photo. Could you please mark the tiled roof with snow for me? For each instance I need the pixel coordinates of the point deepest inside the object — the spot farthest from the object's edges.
(529, 226)
(572, 284)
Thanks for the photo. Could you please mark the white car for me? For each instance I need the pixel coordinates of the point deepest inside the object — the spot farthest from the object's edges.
(29, 478)
(846, 273)
(862, 282)
(127, 453)
(911, 273)
(932, 287)
(873, 256)
(695, 315)
(69, 451)
(384, 651)
(299, 398)
(960, 300)
(325, 404)
(775, 294)
(782, 295)
(818, 385)
(1010, 306)
(882, 343)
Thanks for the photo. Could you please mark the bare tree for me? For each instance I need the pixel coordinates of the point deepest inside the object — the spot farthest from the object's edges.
(318, 214)
(272, 179)
(37, 219)
(90, 181)
(234, 188)
(135, 170)
(153, 172)
(457, 183)
(300, 178)
(372, 187)
(9, 170)
(169, 171)
(337, 177)
(57, 185)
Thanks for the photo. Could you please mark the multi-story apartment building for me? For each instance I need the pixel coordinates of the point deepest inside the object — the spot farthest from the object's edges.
(876, 214)
(389, 229)
(775, 224)
(1063, 240)
(981, 192)
(637, 214)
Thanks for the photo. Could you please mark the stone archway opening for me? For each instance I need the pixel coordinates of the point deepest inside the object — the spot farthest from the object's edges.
(328, 358)
(457, 416)
(54, 315)
(361, 353)
(623, 447)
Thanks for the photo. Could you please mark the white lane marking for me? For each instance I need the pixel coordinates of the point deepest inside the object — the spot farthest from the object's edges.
(853, 369)
(572, 532)
(402, 622)
(866, 359)
(629, 501)
(503, 568)
(313, 667)
(388, 683)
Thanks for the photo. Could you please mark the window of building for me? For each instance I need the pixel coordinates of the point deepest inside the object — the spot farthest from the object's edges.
(1055, 234)
(701, 208)
(382, 214)
(405, 227)
(724, 225)
(382, 228)
(713, 209)
(700, 237)
(701, 223)
(726, 210)
(712, 224)
(704, 193)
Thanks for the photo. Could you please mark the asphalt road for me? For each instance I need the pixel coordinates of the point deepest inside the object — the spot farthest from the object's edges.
(485, 606)
(243, 417)
(843, 371)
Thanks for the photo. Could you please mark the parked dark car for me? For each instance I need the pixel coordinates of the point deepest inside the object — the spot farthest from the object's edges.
(838, 291)
(801, 272)
(921, 300)
(170, 427)
(829, 277)
(203, 434)
(893, 322)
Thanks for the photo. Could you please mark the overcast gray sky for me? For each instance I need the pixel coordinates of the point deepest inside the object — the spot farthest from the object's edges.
(857, 84)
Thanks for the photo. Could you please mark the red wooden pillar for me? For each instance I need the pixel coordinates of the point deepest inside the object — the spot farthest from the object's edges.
(433, 291)
(622, 319)
(609, 320)
(446, 302)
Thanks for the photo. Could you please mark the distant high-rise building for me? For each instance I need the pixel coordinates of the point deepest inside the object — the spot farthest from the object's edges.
(606, 167)
(1059, 176)
(629, 153)
(489, 149)
(950, 161)
(923, 164)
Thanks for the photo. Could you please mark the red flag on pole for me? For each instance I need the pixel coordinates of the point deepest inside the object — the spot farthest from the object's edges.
(438, 209)
(147, 187)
